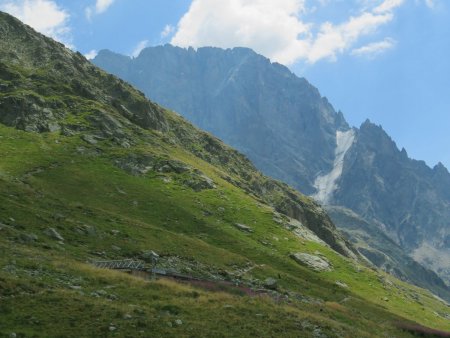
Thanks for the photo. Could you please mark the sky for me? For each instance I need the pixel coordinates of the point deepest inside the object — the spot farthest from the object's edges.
(386, 60)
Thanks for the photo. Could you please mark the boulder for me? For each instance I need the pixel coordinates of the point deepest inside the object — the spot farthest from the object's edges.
(313, 262)
(136, 164)
(271, 283)
(207, 182)
(172, 166)
(199, 181)
(52, 233)
(341, 284)
(243, 227)
(150, 256)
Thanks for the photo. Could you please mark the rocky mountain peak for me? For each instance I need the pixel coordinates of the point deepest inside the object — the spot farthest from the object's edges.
(341, 122)
(440, 169)
(247, 101)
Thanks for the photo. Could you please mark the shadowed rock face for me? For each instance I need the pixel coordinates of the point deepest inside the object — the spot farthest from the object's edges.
(292, 133)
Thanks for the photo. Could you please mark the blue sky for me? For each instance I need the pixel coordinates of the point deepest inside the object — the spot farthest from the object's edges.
(387, 60)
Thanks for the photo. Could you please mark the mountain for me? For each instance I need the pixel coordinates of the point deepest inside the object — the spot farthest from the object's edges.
(290, 132)
(93, 171)
(245, 100)
(383, 252)
(409, 200)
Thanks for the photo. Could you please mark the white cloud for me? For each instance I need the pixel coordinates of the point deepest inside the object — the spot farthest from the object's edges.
(332, 40)
(270, 27)
(103, 5)
(45, 16)
(168, 30)
(430, 3)
(139, 47)
(91, 54)
(276, 28)
(388, 5)
(100, 7)
(372, 49)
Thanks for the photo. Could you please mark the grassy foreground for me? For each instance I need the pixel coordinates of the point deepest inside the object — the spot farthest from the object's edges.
(48, 287)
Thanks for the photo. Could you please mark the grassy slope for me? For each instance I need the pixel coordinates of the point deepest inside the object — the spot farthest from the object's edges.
(70, 189)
